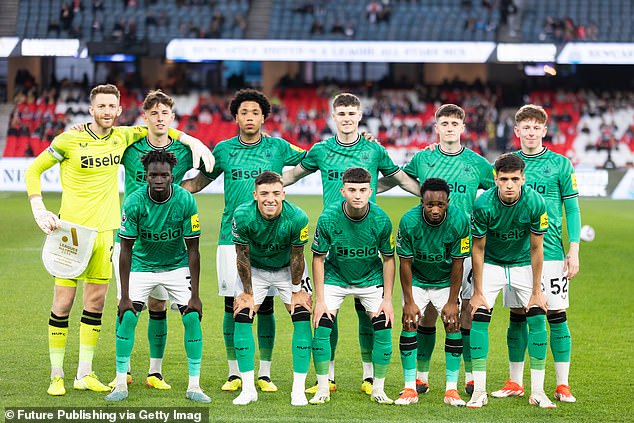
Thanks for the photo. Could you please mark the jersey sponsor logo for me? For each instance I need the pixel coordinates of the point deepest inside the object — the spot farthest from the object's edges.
(238, 174)
(303, 235)
(296, 148)
(465, 245)
(506, 236)
(429, 257)
(195, 223)
(83, 144)
(543, 221)
(573, 179)
(459, 188)
(90, 162)
(270, 248)
(334, 175)
(343, 251)
(540, 188)
(316, 238)
(392, 241)
(167, 235)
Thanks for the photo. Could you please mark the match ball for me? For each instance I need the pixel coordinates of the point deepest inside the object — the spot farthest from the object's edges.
(587, 233)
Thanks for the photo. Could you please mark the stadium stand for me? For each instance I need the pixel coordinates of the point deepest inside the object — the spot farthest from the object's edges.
(417, 20)
(132, 20)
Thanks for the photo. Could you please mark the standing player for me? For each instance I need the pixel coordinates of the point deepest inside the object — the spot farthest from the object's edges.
(433, 241)
(333, 156)
(465, 172)
(508, 224)
(553, 176)
(164, 219)
(270, 234)
(89, 163)
(158, 115)
(349, 237)
(241, 159)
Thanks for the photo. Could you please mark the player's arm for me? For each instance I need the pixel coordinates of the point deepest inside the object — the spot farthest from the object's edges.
(193, 259)
(537, 263)
(199, 151)
(197, 183)
(477, 259)
(125, 263)
(450, 314)
(402, 179)
(295, 174)
(299, 297)
(45, 219)
(411, 312)
(389, 270)
(245, 299)
(573, 224)
(318, 287)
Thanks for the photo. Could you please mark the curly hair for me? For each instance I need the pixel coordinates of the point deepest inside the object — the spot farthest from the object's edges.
(249, 94)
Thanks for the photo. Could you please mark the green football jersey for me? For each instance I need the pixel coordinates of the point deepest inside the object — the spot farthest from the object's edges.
(552, 176)
(432, 247)
(159, 229)
(333, 158)
(353, 245)
(507, 227)
(464, 171)
(135, 172)
(269, 241)
(241, 163)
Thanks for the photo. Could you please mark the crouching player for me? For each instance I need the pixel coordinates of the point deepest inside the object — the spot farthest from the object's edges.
(269, 234)
(164, 219)
(433, 241)
(349, 237)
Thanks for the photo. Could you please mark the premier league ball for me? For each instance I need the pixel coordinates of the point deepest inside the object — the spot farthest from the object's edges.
(587, 233)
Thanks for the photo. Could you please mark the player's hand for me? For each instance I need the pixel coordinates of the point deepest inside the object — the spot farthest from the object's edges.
(431, 147)
(451, 316)
(386, 307)
(243, 301)
(301, 299)
(77, 127)
(320, 310)
(201, 152)
(537, 300)
(194, 305)
(478, 301)
(368, 136)
(125, 304)
(411, 316)
(571, 264)
(46, 220)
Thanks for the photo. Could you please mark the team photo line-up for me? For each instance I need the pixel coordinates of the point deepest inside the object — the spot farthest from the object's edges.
(457, 250)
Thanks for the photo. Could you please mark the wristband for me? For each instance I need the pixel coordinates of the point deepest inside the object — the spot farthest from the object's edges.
(296, 288)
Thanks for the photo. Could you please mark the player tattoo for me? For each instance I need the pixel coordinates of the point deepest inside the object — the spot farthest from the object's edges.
(244, 267)
(297, 264)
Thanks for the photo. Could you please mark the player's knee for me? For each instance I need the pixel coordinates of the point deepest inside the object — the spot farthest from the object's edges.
(557, 318)
(380, 322)
(229, 304)
(426, 330)
(243, 316)
(266, 308)
(300, 314)
(155, 305)
(358, 306)
(482, 315)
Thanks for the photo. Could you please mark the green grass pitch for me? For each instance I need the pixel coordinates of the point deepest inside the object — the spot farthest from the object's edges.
(601, 319)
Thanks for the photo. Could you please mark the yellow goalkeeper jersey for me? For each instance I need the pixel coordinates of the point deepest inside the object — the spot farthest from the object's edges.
(88, 170)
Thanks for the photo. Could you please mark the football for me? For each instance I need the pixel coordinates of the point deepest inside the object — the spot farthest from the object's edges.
(587, 233)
